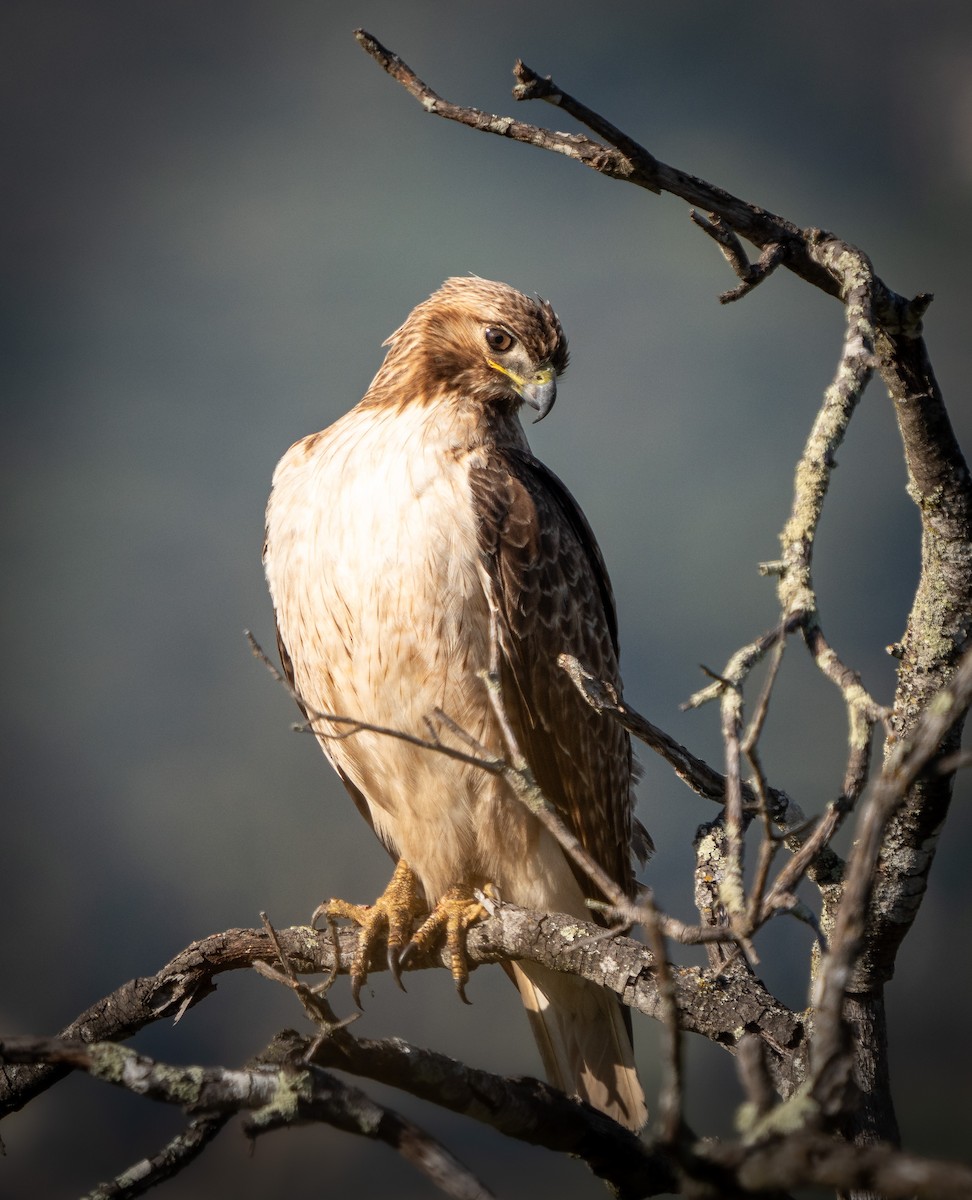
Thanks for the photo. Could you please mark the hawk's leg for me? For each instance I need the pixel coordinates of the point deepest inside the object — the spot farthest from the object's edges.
(391, 918)
(456, 910)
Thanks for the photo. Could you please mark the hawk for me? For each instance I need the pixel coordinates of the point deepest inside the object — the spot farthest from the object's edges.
(407, 542)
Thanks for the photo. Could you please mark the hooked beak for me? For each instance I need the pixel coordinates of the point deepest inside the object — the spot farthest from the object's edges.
(539, 390)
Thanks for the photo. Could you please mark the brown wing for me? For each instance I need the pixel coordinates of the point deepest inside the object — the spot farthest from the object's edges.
(554, 596)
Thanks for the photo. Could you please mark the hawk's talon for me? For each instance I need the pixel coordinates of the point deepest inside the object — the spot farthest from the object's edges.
(457, 909)
(389, 919)
(392, 917)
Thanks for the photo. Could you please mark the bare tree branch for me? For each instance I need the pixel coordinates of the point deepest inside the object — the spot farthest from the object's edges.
(908, 761)
(557, 941)
(273, 1097)
(286, 1088)
(633, 164)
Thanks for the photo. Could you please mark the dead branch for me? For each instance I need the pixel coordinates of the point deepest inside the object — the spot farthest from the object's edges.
(909, 760)
(556, 941)
(820, 862)
(289, 1085)
(622, 158)
(272, 1096)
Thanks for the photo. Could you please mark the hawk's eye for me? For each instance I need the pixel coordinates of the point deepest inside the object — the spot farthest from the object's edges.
(499, 340)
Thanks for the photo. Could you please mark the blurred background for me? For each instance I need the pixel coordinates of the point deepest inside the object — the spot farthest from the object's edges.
(213, 215)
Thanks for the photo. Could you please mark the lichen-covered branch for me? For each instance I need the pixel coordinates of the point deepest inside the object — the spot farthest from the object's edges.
(904, 766)
(853, 273)
(937, 631)
(288, 1085)
(272, 1095)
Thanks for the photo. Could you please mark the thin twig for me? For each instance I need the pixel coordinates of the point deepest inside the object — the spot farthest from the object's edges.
(482, 758)
(750, 274)
(770, 843)
(743, 661)
(733, 888)
(770, 258)
(695, 772)
(313, 999)
(826, 866)
(174, 1157)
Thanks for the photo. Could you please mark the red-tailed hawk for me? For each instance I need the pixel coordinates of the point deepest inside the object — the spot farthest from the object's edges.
(391, 537)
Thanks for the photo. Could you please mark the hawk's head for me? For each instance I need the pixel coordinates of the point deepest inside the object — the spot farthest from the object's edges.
(480, 341)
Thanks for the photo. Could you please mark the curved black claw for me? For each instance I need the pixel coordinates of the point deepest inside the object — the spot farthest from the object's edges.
(357, 983)
(396, 960)
(408, 952)
(415, 949)
(449, 921)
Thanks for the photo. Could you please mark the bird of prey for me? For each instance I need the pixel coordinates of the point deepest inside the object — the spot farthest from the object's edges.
(407, 544)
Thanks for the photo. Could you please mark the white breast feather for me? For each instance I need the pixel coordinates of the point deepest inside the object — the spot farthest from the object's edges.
(374, 569)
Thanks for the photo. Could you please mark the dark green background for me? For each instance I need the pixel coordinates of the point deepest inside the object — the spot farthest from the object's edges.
(213, 215)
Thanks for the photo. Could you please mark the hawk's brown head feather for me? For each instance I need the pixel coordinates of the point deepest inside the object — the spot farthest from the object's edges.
(477, 340)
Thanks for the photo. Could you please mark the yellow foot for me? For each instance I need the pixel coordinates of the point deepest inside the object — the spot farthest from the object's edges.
(390, 919)
(452, 916)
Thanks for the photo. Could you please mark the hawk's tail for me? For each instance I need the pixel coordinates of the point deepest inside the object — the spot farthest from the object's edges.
(584, 1041)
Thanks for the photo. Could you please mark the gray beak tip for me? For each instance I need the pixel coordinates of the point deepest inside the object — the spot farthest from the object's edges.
(541, 397)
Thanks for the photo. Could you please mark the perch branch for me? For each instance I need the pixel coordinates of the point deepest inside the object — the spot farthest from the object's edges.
(556, 941)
